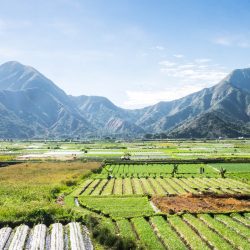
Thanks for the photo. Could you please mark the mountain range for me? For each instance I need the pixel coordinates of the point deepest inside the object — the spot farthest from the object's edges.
(32, 106)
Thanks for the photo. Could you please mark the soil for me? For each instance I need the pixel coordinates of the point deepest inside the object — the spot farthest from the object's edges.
(203, 203)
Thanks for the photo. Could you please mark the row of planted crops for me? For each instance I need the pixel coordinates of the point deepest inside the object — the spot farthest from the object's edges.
(118, 201)
(121, 194)
(56, 237)
(201, 231)
(162, 186)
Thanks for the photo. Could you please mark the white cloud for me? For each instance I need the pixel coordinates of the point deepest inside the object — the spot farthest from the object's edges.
(202, 60)
(197, 71)
(159, 47)
(223, 41)
(235, 41)
(145, 98)
(178, 55)
(167, 63)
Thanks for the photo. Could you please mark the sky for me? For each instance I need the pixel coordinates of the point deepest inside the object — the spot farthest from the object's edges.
(134, 52)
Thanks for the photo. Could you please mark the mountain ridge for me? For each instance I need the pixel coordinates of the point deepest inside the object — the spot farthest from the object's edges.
(32, 106)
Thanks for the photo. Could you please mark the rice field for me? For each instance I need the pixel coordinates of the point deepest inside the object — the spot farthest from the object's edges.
(55, 237)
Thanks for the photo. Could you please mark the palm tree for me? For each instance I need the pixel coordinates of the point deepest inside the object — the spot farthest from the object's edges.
(175, 170)
(223, 172)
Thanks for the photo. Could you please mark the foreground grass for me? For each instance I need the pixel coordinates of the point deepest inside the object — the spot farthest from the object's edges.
(28, 191)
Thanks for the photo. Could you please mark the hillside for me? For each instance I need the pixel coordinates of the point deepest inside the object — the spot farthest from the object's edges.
(32, 106)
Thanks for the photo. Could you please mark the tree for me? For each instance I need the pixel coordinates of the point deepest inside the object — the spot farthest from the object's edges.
(223, 172)
(126, 156)
(175, 170)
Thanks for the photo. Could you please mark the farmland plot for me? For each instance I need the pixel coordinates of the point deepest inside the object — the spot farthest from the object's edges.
(164, 186)
(72, 236)
(156, 169)
(118, 207)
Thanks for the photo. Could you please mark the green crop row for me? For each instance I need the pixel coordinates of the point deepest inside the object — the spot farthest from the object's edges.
(163, 186)
(146, 234)
(229, 234)
(170, 238)
(187, 233)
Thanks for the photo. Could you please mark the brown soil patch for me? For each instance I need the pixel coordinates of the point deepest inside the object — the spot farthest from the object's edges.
(203, 203)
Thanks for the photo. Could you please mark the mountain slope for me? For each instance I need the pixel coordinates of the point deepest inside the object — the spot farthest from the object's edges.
(231, 98)
(107, 117)
(38, 103)
(32, 106)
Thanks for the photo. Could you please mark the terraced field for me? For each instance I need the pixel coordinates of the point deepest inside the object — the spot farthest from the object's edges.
(162, 186)
(56, 237)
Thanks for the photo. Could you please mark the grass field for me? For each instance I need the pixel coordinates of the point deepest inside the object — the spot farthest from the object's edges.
(28, 191)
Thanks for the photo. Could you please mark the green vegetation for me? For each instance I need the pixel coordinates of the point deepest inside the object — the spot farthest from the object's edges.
(118, 207)
(169, 236)
(228, 233)
(153, 170)
(232, 167)
(126, 231)
(162, 186)
(146, 234)
(186, 232)
(28, 191)
(114, 199)
(206, 233)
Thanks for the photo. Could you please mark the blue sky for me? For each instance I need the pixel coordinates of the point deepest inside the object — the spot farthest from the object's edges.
(135, 52)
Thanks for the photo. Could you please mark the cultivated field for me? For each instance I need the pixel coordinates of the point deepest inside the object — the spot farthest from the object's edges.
(162, 186)
(197, 197)
(54, 237)
(139, 150)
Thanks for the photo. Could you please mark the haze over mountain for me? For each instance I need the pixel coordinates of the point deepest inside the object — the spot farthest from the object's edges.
(32, 106)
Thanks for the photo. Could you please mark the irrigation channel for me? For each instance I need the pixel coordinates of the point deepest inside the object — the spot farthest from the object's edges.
(72, 236)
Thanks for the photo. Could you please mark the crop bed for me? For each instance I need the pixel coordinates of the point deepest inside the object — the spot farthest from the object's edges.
(201, 231)
(163, 186)
(73, 236)
(118, 207)
(147, 169)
